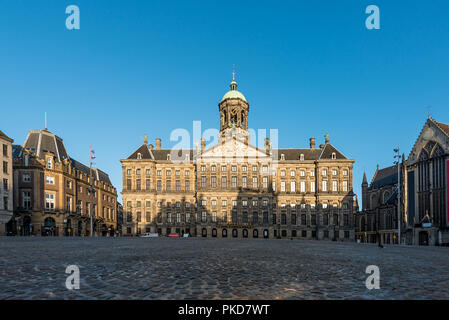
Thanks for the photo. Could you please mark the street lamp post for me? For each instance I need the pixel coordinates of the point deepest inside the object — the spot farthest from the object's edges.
(398, 162)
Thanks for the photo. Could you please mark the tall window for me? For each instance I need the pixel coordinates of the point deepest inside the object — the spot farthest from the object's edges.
(223, 182)
(255, 217)
(282, 186)
(187, 185)
(254, 182)
(312, 186)
(265, 182)
(168, 185)
(49, 201)
(292, 186)
(204, 216)
(214, 216)
(214, 181)
(147, 182)
(334, 186)
(244, 183)
(138, 184)
(324, 188)
(234, 182)
(303, 186)
(203, 181)
(159, 185)
(49, 163)
(345, 185)
(178, 185)
(27, 199)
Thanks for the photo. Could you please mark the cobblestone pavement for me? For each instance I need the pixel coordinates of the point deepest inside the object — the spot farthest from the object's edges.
(195, 268)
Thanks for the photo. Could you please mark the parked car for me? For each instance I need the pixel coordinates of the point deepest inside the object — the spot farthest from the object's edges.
(174, 235)
(150, 235)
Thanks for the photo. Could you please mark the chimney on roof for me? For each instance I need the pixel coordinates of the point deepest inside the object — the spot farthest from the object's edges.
(158, 143)
(203, 144)
(326, 138)
(312, 143)
(151, 147)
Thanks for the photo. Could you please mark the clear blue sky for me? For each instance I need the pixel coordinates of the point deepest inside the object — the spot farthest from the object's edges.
(306, 67)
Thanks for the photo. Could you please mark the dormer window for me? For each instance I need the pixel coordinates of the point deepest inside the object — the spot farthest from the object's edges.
(334, 155)
(139, 156)
(301, 157)
(49, 163)
(168, 157)
(282, 157)
(187, 157)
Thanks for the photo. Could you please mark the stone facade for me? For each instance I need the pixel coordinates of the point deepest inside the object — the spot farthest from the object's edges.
(426, 215)
(234, 189)
(52, 191)
(377, 222)
(6, 180)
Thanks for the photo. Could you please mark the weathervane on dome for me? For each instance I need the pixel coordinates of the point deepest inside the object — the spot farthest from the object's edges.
(233, 72)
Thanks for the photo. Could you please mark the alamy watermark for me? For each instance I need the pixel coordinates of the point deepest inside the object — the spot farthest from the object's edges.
(73, 280)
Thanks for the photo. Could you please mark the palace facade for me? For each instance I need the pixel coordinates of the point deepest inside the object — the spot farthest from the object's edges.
(234, 189)
(53, 192)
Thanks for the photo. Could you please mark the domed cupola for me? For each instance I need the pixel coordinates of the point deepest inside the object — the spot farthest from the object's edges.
(233, 108)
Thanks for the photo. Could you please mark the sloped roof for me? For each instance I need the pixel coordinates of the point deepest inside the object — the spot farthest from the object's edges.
(40, 141)
(144, 150)
(4, 136)
(98, 174)
(161, 154)
(385, 176)
(444, 127)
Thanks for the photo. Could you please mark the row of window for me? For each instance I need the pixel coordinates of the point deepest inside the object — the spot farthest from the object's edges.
(302, 173)
(256, 217)
(224, 203)
(255, 184)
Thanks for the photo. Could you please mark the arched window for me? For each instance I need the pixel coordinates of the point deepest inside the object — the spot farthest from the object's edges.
(204, 232)
(234, 233)
(245, 233)
(214, 233)
(386, 196)
(255, 233)
(373, 201)
(224, 233)
(265, 234)
(139, 156)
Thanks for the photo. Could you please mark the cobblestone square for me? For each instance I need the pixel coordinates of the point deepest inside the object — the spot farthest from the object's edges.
(196, 268)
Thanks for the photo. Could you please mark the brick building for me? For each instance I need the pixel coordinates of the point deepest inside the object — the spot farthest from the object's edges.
(6, 187)
(52, 191)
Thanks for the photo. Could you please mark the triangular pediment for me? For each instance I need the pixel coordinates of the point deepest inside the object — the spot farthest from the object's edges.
(234, 149)
(432, 139)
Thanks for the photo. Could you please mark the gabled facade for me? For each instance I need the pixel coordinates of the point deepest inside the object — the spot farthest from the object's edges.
(426, 215)
(52, 191)
(234, 189)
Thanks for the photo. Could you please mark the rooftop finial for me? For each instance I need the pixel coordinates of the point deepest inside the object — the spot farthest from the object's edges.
(45, 124)
(233, 83)
(145, 139)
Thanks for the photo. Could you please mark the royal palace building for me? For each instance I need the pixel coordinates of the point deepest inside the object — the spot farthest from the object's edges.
(54, 194)
(235, 189)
